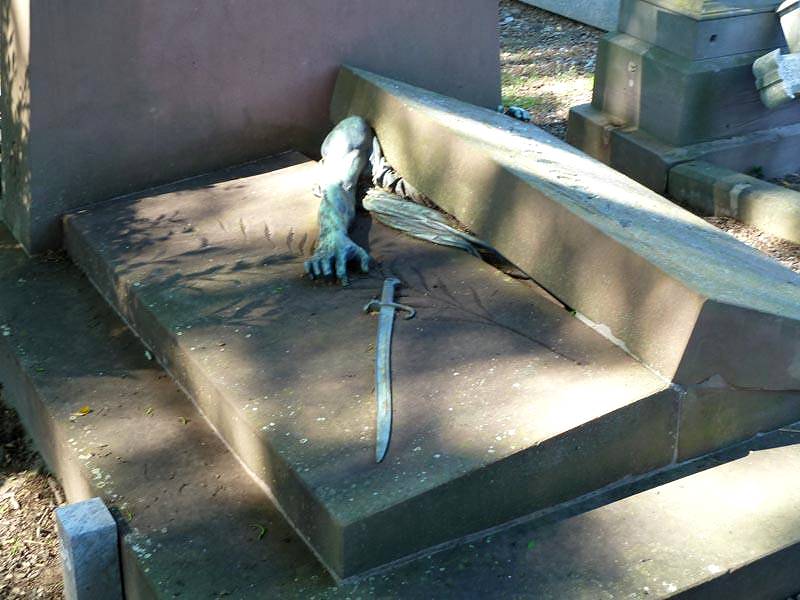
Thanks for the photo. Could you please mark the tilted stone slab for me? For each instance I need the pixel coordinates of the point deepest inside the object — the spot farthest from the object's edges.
(504, 402)
(686, 298)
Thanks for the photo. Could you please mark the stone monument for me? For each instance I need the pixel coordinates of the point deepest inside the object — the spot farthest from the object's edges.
(675, 84)
(597, 13)
(235, 429)
(106, 99)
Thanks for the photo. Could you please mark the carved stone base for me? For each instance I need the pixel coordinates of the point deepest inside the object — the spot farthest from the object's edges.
(769, 153)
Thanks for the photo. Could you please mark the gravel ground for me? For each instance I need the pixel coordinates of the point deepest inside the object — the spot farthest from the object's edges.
(784, 252)
(547, 63)
(29, 562)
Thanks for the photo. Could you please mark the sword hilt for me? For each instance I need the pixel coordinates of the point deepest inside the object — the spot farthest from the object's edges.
(378, 304)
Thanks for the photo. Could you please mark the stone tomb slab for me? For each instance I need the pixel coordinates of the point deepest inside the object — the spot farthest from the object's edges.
(686, 298)
(504, 403)
(147, 441)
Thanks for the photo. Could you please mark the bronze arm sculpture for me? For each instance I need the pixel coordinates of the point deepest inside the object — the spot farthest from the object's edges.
(393, 201)
(345, 153)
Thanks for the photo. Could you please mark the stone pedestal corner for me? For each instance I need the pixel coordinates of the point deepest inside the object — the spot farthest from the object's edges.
(89, 551)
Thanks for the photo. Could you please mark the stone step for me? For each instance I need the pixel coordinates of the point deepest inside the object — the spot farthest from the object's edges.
(502, 397)
(197, 526)
(687, 299)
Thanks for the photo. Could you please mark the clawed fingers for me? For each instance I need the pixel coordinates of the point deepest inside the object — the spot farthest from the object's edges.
(341, 267)
(364, 258)
(328, 264)
(312, 267)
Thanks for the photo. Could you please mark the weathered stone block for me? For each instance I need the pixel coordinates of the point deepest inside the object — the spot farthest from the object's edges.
(777, 78)
(602, 14)
(698, 35)
(789, 14)
(88, 536)
(686, 298)
(677, 100)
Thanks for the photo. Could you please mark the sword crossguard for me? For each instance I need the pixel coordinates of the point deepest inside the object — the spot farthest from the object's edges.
(377, 305)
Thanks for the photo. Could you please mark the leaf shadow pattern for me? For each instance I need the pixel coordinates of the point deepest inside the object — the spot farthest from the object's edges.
(439, 297)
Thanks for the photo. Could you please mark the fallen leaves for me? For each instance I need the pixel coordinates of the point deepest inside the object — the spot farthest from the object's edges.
(30, 566)
(81, 412)
(262, 531)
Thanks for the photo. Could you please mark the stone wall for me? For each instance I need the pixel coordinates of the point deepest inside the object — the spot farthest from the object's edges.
(124, 95)
(603, 14)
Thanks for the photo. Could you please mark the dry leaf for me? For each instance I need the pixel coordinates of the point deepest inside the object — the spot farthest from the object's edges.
(262, 531)
(82, 412)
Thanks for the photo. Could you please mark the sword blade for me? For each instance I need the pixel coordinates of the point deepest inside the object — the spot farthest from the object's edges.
(383, 370)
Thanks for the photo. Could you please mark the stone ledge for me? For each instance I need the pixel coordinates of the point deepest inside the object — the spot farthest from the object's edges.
(716, 9)
(641, 157)
(686, 298)
(721, 192)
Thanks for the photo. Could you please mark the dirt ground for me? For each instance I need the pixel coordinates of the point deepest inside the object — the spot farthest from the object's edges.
(547, 63)
(29, 562)
(784, 252)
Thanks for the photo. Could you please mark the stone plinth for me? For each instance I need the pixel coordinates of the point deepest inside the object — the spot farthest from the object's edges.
(105, 98)
(676, 80)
